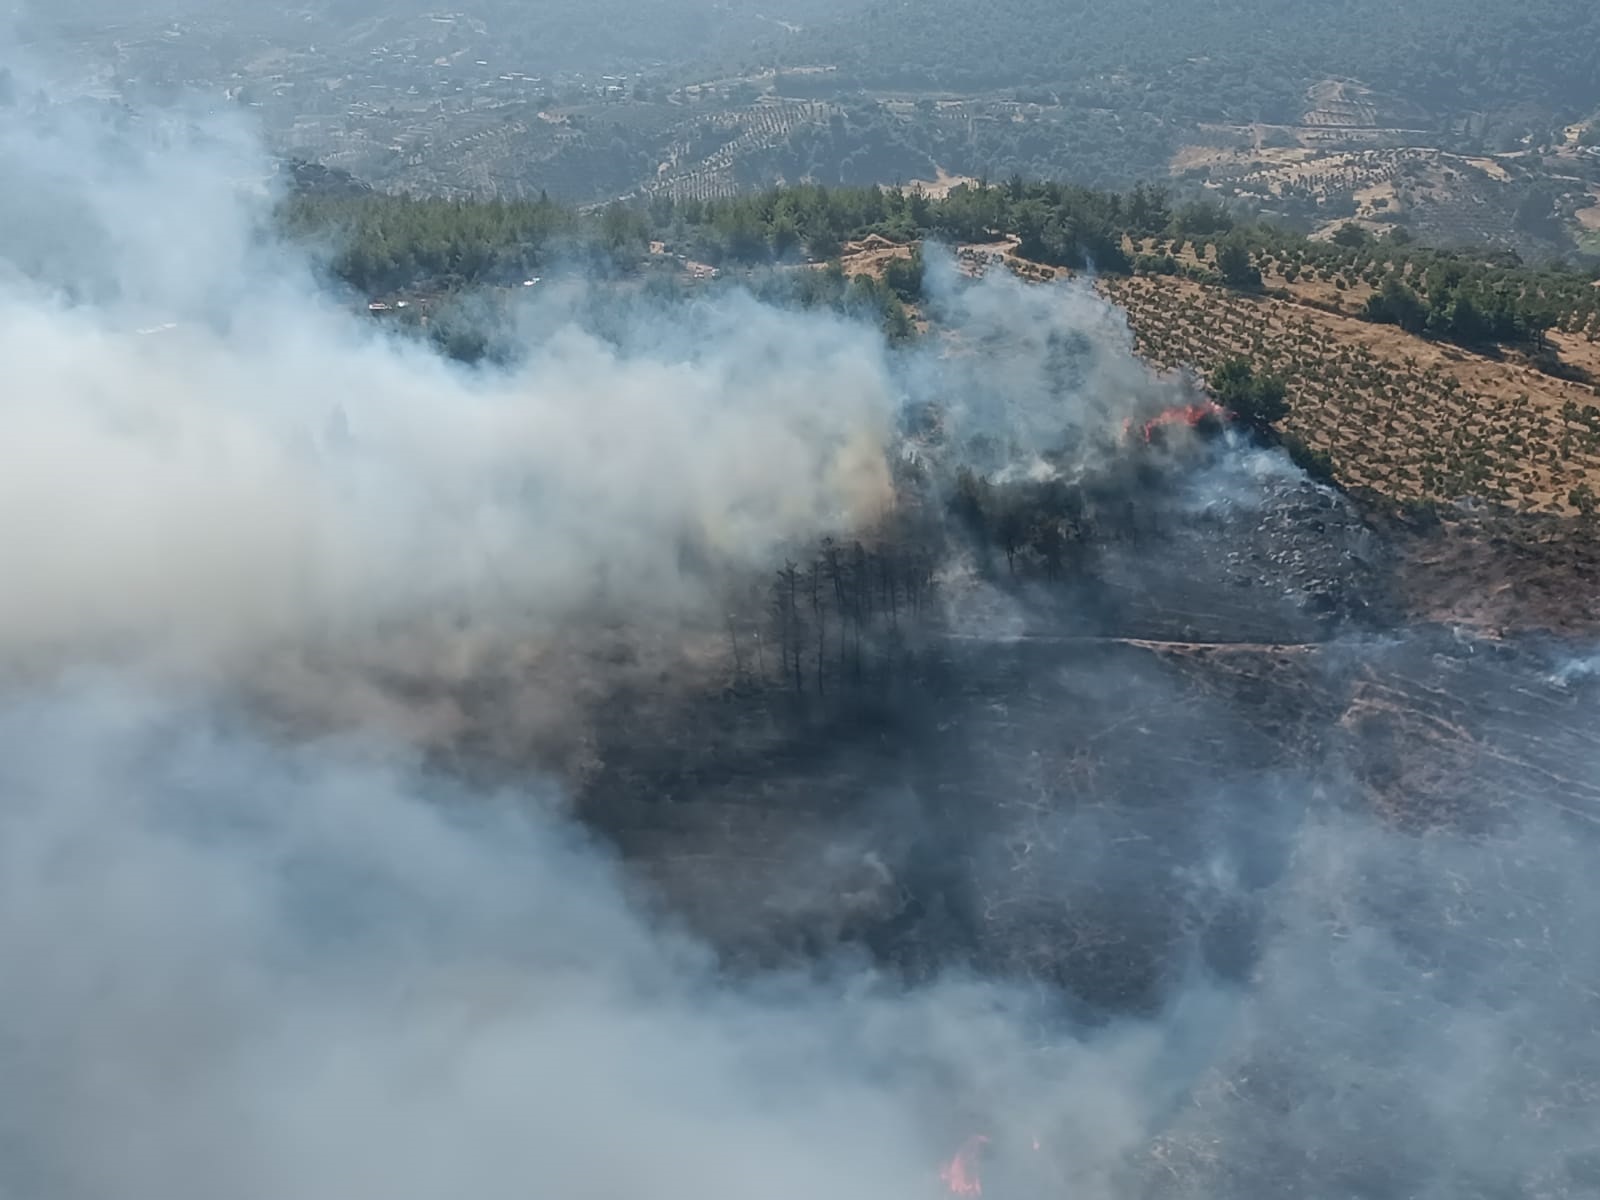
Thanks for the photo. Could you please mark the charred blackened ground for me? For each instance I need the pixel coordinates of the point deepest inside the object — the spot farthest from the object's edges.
(1189, 618)
(1222, 656)
(1213, 754)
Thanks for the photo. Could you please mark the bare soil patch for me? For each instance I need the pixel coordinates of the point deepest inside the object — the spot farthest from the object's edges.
(941, 185)
(872, 256)
(1589, 217)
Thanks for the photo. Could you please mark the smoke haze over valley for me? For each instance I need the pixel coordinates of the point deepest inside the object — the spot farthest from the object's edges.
(711, 748)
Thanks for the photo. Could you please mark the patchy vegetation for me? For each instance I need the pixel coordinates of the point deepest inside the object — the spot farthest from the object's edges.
(1421, 374)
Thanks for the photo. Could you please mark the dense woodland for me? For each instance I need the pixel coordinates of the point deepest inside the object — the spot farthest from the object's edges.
(380, 244)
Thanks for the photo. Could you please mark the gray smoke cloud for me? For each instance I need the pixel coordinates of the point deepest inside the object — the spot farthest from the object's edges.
(1016, 353)
(238, 969)
(247, 958)
(245, 965)
(203, 452)
(213, 466)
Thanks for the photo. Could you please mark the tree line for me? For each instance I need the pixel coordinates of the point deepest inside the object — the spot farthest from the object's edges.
(841, 615)
(377, 243)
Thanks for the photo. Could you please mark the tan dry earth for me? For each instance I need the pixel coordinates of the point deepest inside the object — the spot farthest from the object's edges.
(1189, 158)
(871, 256)
(1383, 181)
(1403, 416)
(940, 186)
(1490, 168)
(1589, 218)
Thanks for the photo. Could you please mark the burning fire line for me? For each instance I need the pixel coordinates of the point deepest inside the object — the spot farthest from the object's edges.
(1182, 414)
(960, 1174)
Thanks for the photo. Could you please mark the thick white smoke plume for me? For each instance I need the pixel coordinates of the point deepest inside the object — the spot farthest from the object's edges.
(1019, 350)
(239, 963)
(235, 968)
(202, 452)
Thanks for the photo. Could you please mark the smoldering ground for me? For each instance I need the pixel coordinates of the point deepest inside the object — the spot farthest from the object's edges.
(1150, 904)
(235, 966)
(236, 970)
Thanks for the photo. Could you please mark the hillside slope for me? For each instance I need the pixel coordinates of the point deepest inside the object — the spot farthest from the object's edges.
(1234, 57)
(1407, 417)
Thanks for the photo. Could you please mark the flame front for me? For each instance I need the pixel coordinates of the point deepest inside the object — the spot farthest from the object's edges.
(960, 1174)
(1184, 414)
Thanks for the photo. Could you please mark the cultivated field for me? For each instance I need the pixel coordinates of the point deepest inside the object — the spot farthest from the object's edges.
(690, 172)
(1407, 417)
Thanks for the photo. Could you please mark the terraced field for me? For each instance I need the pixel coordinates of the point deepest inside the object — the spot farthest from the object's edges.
(1276, 172)
(1442, 197)
(1347, 105)
(1406, 417)
(685, 175)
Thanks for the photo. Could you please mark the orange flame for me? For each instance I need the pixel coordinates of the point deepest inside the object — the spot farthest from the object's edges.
(1185, 414)
(960, 1174)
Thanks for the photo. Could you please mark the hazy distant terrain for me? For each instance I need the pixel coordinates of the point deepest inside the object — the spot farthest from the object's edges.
(1240, 61)
(1352, 109)
(547, 37)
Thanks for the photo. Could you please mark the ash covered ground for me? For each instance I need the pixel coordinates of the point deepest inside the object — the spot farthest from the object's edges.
(1231, 657)
(1219, 761)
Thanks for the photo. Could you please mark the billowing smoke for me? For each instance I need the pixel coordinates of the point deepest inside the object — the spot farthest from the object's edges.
(1181, 888)
(212, 467)
(245, 965)
(235, 970)
(260, 468)
(1030, 372)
